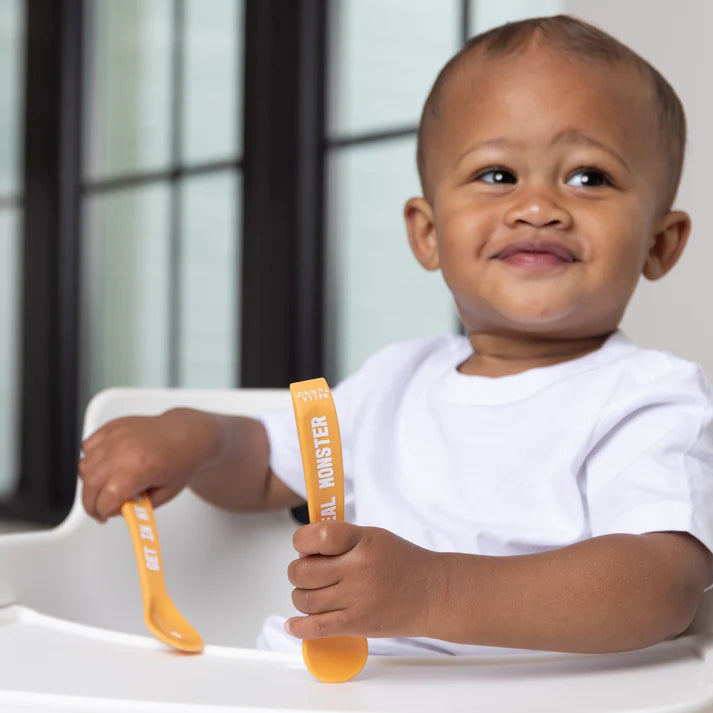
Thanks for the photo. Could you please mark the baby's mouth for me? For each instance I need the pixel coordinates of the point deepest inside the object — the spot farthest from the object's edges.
(536, 254)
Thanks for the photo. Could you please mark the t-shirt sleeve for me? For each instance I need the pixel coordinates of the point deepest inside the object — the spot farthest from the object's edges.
(651, 469)
(285, 458)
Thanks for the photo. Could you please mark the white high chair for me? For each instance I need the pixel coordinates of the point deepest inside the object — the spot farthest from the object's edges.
(72, 635)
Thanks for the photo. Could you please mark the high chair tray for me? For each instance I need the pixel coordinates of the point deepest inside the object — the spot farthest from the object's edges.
(48, 664)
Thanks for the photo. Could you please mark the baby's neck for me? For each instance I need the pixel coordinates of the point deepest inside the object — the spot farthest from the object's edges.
(502, 355)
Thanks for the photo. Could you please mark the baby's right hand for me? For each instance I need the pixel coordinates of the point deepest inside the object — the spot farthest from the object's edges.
(153, 454)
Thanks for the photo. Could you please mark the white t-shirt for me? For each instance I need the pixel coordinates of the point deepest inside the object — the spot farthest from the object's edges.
(617, 441)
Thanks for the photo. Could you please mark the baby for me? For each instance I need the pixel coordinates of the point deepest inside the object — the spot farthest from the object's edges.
(541, 483)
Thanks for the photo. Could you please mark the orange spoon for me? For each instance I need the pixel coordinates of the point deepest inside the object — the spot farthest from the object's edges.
(161, 616)
(339, 658)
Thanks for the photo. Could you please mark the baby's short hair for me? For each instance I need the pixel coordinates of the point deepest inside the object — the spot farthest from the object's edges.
(573, 36)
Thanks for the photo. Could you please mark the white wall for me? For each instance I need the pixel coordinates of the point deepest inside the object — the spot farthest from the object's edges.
(675, 37)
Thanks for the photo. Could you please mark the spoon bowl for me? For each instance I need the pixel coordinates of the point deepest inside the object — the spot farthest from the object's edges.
(166, 623)
(336, 659)
(161, 615)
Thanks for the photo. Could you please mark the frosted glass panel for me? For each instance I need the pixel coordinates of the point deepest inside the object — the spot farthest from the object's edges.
(210, 285)
(11, 98)
(9, 348)
(377, 292)
(128, 86)
(214, 46)
(383, 58)
(126, 289)
(486, 14)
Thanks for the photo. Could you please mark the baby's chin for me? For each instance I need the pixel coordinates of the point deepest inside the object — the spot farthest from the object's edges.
(538, 325)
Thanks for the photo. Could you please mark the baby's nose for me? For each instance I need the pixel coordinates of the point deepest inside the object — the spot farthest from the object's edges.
(539, 210)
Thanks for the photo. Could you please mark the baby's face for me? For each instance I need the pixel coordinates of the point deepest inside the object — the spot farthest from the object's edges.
(546, 176)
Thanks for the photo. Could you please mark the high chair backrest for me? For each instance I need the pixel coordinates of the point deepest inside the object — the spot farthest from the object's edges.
(224, 571)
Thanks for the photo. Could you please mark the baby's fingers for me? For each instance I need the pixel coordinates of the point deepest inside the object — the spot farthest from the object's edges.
(106, 486)
(313, 572)
(317, 601)
(113, 495)
(93, 472)
(319, 626)
(93, 441)
(326, 538)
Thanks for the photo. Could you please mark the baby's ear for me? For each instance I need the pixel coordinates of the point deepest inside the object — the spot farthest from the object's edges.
(669, 240)
(422, 232)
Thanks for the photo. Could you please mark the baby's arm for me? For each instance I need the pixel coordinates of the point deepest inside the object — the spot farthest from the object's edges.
(610, 593)
(224, 459)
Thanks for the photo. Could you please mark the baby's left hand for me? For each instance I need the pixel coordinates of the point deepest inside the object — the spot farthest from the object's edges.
(362, 581)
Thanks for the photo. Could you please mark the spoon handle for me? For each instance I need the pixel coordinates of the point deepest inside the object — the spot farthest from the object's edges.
(339, 658)
(140, 520)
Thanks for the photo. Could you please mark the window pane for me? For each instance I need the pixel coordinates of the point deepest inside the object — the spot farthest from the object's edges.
(125, 295)
(9, 348)
(210, 287)
(213, 83)
(11, 103)
(128, 86)
(486, 14)
(376, 291)
(384, 55)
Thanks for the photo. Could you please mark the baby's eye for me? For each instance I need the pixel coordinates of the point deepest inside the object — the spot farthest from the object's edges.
(588, 177)
(497, 176)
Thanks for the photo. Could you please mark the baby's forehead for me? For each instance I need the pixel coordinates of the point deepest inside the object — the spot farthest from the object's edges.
(478, 84)
(481, 76)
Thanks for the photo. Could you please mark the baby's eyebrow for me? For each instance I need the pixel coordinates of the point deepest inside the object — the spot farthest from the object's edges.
(566, 136)
(499, 142)
(575, 136)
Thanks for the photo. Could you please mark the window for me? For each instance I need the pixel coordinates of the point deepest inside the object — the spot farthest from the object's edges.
(11, 110)
(161, 193)
(379, 75)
